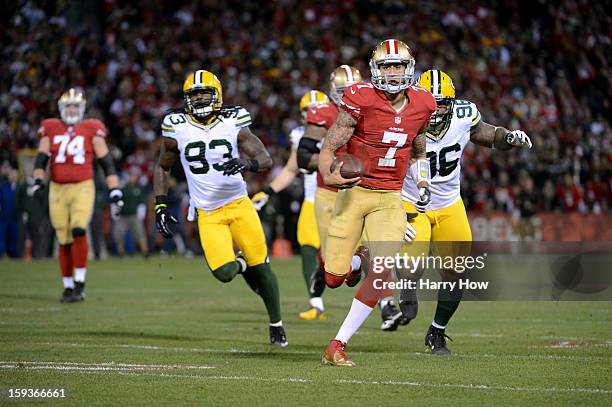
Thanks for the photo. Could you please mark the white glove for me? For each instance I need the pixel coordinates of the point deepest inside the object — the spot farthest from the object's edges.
(518, 138)
(424, 199)
(410, 233)
(116, 202)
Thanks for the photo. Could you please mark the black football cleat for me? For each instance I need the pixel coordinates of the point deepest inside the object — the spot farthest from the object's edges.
(278, 337)
(68, 295)
(391, 316)
(435, 341)
(79, 290)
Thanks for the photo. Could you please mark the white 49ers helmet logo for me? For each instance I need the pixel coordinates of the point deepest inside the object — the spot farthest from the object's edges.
(398, 120)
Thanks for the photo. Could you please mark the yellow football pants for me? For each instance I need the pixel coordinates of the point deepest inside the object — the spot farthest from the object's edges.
(447, 229)
(307, 230)
(70, 206)
(235, 222)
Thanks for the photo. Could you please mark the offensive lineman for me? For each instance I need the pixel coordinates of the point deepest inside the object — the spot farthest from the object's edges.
(445, 222)
(70, 145)
(381, 122)
(215, 144)
(307, 230)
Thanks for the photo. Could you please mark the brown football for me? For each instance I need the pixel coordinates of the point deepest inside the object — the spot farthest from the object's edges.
(352, 167)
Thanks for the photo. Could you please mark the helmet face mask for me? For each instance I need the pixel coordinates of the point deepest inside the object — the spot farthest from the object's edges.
(392, 52)
(203, 94)
(201, 102)
(72, 106)
(442, 88)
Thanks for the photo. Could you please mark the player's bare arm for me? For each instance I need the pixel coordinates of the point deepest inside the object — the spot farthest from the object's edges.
(161, 179)
(167, 157)
(287, 174)
(250, 146)
(337, 136)
(487, 135)
(104, 158)
(308, 149)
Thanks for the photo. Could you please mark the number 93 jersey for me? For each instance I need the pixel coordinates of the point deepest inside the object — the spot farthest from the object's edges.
(203, 150)
(444, 154)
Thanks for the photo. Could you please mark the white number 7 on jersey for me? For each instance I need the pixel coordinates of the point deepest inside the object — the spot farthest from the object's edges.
(388, 138)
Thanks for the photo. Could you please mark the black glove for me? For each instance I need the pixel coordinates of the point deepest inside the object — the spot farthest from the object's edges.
(236, 165)
(162, 218)
(115, 196)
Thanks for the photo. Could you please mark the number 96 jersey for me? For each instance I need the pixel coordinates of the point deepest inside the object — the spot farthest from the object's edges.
(203, 149)
(444, 153)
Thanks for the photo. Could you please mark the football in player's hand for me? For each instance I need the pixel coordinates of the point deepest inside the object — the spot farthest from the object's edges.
(352, 166)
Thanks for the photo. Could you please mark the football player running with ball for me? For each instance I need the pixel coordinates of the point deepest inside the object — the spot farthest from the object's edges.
(380, 123)
(70, 145)
(307, 230)
(214, 144)
(444, 222)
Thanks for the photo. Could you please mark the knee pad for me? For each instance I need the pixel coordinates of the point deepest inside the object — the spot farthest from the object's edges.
(226, 272)
(333, 281)
(76, 232)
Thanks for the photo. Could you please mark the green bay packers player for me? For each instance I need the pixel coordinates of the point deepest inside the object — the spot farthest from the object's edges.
(444, 222)
(307, 231)
(214, 144)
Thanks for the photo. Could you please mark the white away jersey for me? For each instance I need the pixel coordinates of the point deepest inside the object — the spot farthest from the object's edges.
(444, 154)
(203, 150)
(310, 180)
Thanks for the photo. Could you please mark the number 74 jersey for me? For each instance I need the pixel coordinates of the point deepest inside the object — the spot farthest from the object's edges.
(444, 154)
(71, 148)
(203, 150)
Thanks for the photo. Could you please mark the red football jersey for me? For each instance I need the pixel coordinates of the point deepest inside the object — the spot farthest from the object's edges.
(324, 115)
(383, 137)
(72, 152)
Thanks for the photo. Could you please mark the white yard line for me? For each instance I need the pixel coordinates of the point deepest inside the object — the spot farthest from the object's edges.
(468, 386)
(13, 310)
(298, 352)
(78, 366)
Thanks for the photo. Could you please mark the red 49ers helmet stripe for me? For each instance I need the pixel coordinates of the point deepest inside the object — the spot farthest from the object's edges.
(392, 47)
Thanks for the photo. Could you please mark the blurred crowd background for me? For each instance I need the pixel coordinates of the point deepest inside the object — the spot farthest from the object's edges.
(543, 67)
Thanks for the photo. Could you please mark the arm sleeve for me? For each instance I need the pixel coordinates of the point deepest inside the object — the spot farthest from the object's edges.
(167, 128)
(243, 118)
(100, 128)
(353, 100)
(475, 116)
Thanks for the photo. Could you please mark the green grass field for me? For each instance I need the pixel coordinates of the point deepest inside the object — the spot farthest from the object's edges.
(164, 332)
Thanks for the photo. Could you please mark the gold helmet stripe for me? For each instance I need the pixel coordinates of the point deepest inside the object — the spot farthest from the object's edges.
(313, 96)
